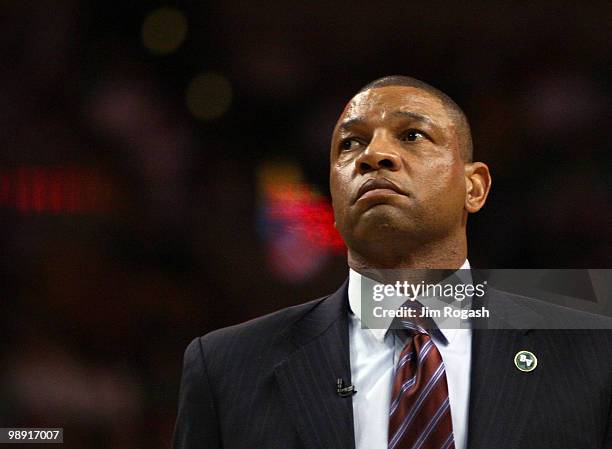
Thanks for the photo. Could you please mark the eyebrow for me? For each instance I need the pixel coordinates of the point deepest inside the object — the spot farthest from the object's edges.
(413, 116)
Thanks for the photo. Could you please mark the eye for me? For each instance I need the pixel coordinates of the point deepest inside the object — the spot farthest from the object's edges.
(411, 135)
(349, 144)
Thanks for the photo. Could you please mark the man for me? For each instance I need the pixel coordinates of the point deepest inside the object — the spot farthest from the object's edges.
(311, 376)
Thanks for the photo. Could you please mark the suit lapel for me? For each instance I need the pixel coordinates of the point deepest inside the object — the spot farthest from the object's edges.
(501, 396)
(307, 377)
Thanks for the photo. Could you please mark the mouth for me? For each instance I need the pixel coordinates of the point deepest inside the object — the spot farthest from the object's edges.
(377, 187)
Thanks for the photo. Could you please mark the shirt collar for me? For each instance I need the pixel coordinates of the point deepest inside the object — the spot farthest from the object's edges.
(354, 296)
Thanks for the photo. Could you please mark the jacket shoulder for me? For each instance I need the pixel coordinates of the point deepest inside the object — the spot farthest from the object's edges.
(556, 316)
(522, 312)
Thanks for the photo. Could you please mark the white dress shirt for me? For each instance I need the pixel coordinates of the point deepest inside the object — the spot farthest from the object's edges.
(374, 353)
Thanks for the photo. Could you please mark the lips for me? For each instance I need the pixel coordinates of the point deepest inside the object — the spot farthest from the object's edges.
(376, 184)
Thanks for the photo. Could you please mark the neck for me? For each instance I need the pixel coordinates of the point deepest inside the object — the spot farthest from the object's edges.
(448, 254)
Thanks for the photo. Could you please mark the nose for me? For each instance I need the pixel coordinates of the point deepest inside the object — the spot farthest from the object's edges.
(380, 154)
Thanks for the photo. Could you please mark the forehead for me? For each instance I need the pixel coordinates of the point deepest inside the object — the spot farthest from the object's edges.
(380, 103)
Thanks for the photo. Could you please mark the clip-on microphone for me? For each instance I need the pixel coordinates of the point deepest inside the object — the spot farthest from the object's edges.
(344, 391)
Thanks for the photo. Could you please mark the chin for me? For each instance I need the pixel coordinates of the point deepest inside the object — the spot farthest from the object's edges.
(385, 217)
(382, 227)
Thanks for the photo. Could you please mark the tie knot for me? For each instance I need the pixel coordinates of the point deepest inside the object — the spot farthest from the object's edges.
(413, 328)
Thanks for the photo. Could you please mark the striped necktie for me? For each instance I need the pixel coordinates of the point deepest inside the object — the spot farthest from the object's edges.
(419, 415)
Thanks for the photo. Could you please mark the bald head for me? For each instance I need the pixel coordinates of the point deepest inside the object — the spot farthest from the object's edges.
(456, 113)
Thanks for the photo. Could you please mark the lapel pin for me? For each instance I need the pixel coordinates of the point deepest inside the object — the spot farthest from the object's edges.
(525, 361)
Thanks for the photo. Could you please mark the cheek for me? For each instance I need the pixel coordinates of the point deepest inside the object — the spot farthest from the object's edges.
(444, 180)
(339, 180)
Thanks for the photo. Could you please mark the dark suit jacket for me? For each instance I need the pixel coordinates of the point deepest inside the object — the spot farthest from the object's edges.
(270, 383)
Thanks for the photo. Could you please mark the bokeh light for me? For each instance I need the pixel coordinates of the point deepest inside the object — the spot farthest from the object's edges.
(64, 189)
(164, 30)
(296, 222)
(208, 96)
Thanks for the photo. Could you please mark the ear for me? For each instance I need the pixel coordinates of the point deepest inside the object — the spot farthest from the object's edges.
(477, 185)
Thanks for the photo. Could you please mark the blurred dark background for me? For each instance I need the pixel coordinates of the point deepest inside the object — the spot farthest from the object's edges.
(164, 173)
